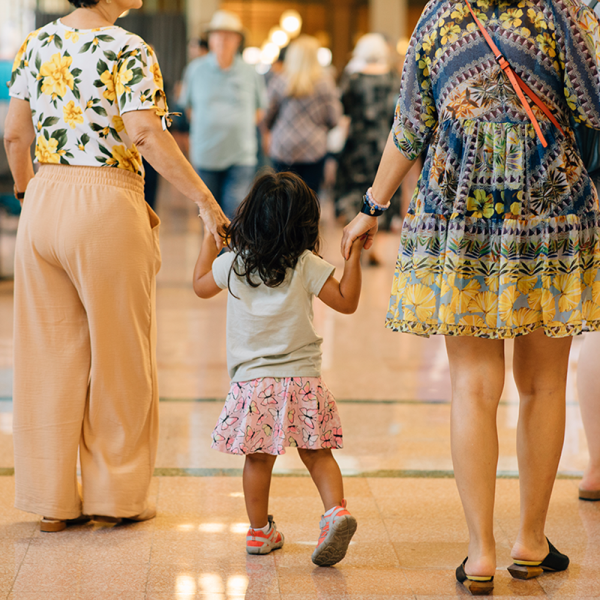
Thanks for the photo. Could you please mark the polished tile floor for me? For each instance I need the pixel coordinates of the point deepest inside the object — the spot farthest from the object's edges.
(393, 393)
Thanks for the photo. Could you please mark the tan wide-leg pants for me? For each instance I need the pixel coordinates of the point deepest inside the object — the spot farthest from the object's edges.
(85, 370)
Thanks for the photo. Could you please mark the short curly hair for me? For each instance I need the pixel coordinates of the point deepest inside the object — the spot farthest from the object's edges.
(83, 3)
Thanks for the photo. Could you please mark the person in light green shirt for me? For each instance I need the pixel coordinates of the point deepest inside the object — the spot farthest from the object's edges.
(226, 97)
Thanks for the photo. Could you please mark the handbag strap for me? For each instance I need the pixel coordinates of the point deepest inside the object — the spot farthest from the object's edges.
(518, 84)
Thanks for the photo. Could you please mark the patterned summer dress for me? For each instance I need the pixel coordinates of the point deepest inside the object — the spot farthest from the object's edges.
(502, 235)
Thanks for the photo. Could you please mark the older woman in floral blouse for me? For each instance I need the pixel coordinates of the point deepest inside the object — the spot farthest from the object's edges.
(91, 96)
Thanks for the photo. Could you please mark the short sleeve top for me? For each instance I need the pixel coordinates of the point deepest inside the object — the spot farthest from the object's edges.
(79, 83)
(270, 332)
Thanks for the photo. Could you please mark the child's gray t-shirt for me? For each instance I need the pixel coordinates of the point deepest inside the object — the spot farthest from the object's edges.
(270, 332)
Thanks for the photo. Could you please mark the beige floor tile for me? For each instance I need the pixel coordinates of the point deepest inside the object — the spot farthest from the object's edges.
(100, 577)
(55, 577)
(212, 579)
(577, 582)
(103, 595)
(342, 580)
(12, 551)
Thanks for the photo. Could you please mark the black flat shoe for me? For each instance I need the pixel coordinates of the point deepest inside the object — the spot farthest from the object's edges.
(478, 586)
(527, 569)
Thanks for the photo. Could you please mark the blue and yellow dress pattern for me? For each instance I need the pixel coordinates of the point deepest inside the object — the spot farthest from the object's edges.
(502, 235)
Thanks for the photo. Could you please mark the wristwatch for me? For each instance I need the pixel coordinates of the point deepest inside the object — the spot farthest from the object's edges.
(18, 195)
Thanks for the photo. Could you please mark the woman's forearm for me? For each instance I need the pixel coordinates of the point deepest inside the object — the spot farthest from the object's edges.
(392, 169)
(19, 134)
(18, 153)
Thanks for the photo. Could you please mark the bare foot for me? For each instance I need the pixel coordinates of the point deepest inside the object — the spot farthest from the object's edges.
(530, 549)
(591, 479)
(481, 566)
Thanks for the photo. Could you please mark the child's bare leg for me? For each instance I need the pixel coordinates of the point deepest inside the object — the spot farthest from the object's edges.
(326, 474)
(257, 482)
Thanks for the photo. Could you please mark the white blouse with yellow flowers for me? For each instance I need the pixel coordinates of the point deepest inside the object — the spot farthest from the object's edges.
(79, 83)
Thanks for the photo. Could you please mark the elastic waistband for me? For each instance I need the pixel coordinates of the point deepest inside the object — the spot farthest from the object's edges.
(92, 176)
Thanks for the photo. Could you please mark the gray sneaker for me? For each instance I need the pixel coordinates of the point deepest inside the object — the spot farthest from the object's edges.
(337, 530)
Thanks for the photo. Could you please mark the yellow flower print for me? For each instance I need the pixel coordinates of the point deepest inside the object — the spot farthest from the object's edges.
(569, 288)
(547, 44)
(472, 321)
(118, 124)
(57, 77)
(596, 292)
(424, 65)
(422, 299)
(19, 56)
(446, 314)
(107, 79)
(525, 32)
(492, 283)
(46, 150)
(480, 204)
(571, 99)
(449, 33)
(591, 311)
(72, 114)
(515, 208)
(461, 298)
(525, 283)
(460, 12)
(121, 78)
(506, 303)
(89, 104)
(158, 78)
(425, 275)
(486, 303)
(542, 300)
(524, 316)
(537, 18)
(95, 41)
(499, 207)
(125, 158)
(511, 18)
(72, 35)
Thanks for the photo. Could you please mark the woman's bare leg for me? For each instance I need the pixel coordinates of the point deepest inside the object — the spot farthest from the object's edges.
(477, 373)
(588, 385)
(540, 369)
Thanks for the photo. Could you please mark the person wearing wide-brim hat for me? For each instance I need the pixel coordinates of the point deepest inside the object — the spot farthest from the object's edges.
(225, 96)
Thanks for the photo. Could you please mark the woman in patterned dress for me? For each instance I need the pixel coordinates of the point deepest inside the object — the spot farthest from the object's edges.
(501, 240)
(91, 95)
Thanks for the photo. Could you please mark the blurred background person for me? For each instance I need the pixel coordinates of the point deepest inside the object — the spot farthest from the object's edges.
(180, 129)
(226, 97)
(588, 385)
(303, 107)
(369, 92)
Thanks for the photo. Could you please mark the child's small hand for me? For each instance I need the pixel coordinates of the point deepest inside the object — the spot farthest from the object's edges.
(356, 248)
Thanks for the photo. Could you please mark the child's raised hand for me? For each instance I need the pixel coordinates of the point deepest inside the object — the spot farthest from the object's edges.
(357, 246)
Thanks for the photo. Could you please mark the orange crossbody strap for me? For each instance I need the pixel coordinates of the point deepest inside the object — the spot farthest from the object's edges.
(518, 84)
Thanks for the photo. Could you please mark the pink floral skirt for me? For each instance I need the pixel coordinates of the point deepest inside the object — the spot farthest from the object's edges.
(268, 414)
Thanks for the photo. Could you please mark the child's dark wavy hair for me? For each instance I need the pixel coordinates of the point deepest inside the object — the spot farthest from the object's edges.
(273, 226)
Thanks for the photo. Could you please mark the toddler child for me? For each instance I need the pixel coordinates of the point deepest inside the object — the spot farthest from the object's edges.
(277, 397)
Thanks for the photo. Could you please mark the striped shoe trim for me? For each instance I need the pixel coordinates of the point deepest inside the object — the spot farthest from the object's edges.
(528, 563)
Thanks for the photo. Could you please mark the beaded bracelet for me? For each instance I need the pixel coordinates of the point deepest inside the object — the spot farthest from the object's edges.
(370, 207)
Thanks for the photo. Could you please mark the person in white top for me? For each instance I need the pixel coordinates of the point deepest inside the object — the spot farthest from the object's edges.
(277, 398)
(90, 95)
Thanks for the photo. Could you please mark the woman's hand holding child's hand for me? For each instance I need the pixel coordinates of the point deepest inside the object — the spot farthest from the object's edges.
(215, 221)
(360, 226)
